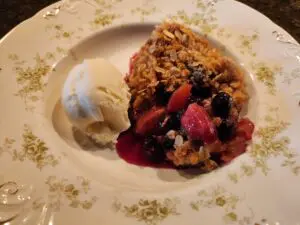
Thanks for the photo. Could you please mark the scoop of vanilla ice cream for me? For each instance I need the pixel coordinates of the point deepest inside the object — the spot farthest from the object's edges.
(96, 99)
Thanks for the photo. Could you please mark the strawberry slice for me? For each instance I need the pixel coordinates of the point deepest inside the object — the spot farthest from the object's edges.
(198, 125)
(245, 128)
(179, 98)
(149, 121)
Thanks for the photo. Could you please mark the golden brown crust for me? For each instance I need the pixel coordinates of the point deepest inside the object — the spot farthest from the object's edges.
(165, 59)
(188, 154)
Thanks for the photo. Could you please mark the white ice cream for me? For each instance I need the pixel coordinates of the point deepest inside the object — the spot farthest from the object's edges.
(96, 99)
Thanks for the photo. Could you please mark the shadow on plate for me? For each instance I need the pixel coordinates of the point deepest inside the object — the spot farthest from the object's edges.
(76, 139)
(179, 175)
(86, 143)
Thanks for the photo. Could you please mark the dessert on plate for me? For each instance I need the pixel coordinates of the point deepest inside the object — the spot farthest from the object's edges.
(179, 106)
(186, 101)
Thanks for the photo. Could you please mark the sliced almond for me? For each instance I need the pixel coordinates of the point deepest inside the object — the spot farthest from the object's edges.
(178, 141)
(171, 134)
(178, 35)
(168, 34)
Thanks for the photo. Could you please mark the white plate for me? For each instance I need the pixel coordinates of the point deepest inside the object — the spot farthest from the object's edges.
(46, 178)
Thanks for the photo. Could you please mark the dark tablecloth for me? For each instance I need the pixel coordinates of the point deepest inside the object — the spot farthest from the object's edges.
(286, 13)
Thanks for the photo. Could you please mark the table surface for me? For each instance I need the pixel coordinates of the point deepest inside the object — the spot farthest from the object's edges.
(286, 13)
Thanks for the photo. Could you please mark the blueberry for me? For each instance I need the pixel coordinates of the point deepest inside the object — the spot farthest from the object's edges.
(226, 130)
(178, 117)
(200, 88)
(179, 114)
(171, 124)
(168, 143)
(174, 121)
(198, 77)
(162, 96)
(203, 92)
(221, 104)
(153, 150)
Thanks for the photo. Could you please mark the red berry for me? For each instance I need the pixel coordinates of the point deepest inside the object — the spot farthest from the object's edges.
(245, 128)
(198, 125)
(179, 99)
(234, 148)
(149, 121)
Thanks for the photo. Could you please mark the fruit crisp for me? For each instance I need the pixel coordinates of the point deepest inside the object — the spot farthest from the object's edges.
(186, 100)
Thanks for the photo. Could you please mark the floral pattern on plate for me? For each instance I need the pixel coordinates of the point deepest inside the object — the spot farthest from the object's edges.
(31, 152)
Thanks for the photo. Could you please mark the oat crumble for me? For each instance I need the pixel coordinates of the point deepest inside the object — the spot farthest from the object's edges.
(186, 100)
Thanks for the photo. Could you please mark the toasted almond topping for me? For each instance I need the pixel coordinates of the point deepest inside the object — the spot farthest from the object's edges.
(178, 141)
(168, 34)
(171, 134)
